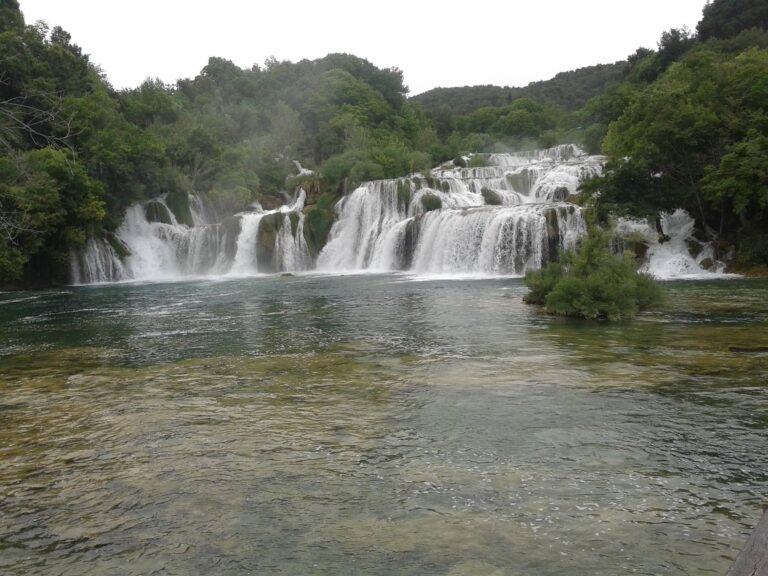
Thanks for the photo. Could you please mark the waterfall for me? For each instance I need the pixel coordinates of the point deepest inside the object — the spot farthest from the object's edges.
(159, 247)
(509, 240)
(97, 262)
(505, 218)
(676, 255)
(363, 221)
(245, 256)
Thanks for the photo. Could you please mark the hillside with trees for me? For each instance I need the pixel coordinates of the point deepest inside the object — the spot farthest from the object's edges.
(683, 125)
(76, 153)
(567, 90)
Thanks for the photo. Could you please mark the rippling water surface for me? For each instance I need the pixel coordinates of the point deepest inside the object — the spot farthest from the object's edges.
(377, 425)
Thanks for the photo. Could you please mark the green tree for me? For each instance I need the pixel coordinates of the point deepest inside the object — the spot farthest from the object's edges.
(593, 283)
(727, 18)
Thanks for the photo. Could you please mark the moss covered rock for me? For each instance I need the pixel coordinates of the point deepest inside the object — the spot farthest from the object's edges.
(120, 247)
(270, 202)
(492, 198)
(553, 234)
(560, 194)
(431, 202)
(317, 225)
(155, 211)
(178, 203)
(403, 193)
(521, 181)
(266, 239)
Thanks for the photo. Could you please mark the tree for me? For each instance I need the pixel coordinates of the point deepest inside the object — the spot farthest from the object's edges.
(694, 139)
(727, 18)
(48, 205)
(11, 17)
(672, 131)
(593, 283)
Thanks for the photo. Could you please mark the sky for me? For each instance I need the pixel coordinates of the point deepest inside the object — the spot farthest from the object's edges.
(446, 43)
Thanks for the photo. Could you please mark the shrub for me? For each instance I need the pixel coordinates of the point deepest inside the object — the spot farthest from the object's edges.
(431, 202)
(479, 160)
(593, 283)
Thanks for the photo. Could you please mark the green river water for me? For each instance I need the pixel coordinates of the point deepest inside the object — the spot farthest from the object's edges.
(377, 425)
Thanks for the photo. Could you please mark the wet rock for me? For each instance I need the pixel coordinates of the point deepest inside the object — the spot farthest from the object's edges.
(560, 194)
(266, 239)
(403, 193)
(492, 198)
(431, 202)
(460, 162)
(694, 247)
(178, 203)
(154, 211)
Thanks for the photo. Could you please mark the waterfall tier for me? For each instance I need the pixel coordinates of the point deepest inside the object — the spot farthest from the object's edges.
(156, 246)
(673, 251)
(505, 218)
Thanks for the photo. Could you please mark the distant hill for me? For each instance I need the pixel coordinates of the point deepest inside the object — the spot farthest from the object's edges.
(568, 90)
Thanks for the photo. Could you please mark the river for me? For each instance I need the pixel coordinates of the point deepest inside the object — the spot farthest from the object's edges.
(377, 424)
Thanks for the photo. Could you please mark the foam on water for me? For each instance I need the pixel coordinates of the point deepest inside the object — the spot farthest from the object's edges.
(670, 257)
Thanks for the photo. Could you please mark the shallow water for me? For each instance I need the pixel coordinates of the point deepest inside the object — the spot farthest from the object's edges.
(376, 425)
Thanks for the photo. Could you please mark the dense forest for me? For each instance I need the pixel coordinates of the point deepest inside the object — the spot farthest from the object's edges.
(568, 90)
(684, 125)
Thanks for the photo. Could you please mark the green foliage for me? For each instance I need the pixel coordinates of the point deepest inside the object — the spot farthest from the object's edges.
(685, 125)
(317, 222)
(567, 90)
(48, 205)
(151, 103)
(431, 202)
(10, 16)
(741, 178)
(178, 203)
(727, 18)
(593, 283)
(696, 138)
(522, 118)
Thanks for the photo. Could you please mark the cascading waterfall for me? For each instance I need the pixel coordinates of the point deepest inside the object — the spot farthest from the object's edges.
(678, 254)
(157, 247)
(501, 219)
(96, 261)
(245, 257)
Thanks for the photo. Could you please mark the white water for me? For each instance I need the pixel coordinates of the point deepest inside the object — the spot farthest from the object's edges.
(502, 219)
(169, 251)
(245, 261)
(672, 259)
(378, 228)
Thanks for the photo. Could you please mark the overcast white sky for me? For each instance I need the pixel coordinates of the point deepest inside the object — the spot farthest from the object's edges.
(445, 43)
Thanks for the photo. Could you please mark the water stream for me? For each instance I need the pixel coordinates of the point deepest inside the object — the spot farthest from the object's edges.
(376, 425)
